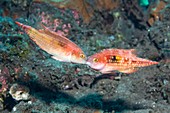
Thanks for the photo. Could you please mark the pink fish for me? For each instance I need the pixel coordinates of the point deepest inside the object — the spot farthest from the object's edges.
(121, 60)
(58, 46)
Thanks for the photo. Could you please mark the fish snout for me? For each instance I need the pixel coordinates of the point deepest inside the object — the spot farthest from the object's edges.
(78, 61)
(83, 62)
(88, 63)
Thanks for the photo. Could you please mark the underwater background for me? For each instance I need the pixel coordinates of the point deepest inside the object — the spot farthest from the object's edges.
(33, 82)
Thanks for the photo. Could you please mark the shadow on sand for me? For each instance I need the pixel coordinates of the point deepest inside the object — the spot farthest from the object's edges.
(94, 101)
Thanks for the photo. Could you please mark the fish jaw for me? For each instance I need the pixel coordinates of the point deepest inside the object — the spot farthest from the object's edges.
(79, 61)
(96, 66)
(75, 59)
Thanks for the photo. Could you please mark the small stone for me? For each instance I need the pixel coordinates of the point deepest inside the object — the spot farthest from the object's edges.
(14, 109)
(19, 92)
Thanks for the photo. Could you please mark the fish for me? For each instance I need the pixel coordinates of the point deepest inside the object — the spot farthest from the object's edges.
(60, 47)
(121, 60)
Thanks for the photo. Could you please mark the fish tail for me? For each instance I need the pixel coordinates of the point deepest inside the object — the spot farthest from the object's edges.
(154, 63)
(24, 27)
(149, 63)
(165, 60)
(145, 62)
(33, 33)
(28, 29)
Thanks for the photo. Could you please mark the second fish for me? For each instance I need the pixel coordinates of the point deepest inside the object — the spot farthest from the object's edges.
(59, 47)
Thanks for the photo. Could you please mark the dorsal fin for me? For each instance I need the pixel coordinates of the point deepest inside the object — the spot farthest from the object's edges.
(48, 31)
(120, 52)
(133, 51)
(53, 34)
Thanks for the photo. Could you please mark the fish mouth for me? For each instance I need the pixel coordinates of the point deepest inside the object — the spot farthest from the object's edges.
(77, 62)
(88, 63)
(83, 62)
(100, 67)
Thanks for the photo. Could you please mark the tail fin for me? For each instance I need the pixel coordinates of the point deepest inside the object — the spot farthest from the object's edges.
(154, 62)
(165, 61)
(24, 27)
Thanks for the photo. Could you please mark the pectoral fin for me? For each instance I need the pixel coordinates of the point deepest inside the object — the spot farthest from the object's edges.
(106, 72)
(56, 58)
(129, 70)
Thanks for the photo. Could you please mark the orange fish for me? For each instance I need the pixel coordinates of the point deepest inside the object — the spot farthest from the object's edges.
(122, 60)
(58, 46)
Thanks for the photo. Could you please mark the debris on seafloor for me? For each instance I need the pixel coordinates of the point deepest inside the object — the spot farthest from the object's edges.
(84, 7)
(3, 90)
(4, 84)
(147, 16)
(156, 11)
(19, 92)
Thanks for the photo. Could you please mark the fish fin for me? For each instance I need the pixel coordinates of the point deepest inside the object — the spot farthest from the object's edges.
(133, 51)
(43, 26)
(23, 26)
(56, 58)
(129, 70)
(53, 34)
(46, 30)
(41, 30)
(106, 72)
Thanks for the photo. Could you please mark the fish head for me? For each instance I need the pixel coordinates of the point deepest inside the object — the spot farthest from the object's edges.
(96, 62)
(78, 56)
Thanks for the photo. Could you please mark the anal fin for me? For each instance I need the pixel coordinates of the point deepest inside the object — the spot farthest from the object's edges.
(56, 58)
(129, 70)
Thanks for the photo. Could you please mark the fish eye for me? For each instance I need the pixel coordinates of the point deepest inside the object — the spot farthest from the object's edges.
(82, 56)
(115, 58)
(95, 60)
(118, 58)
